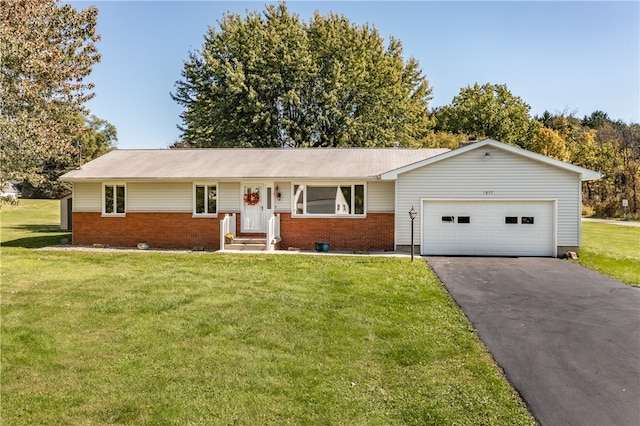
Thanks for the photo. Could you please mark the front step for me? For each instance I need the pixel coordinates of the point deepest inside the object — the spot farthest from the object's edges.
(247, 243)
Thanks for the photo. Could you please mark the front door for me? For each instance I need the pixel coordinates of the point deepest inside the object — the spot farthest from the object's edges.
(253, 199)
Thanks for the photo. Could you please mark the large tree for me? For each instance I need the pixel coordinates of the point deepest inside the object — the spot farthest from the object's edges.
(46, 52)
(491, 111)
(271, 80)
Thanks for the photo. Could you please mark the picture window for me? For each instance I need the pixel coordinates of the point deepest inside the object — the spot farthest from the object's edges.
(339, 200)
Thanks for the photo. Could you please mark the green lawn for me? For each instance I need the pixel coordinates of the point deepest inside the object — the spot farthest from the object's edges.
(210, 338)
(613, 250)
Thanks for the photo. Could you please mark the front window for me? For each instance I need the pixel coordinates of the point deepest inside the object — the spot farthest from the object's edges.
(329, 199)
(205, 199)
(114, 199)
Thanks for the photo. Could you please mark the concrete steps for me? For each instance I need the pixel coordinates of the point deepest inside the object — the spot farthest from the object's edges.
(247, 243)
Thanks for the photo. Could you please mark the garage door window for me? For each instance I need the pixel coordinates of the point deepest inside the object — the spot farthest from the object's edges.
(511, 220)
(527, 220)
(464, 219)
(447, 219)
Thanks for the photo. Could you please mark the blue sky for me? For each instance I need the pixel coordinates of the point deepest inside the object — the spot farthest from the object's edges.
(571, 57)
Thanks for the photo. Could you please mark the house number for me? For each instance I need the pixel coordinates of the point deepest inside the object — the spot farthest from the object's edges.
(487, 192)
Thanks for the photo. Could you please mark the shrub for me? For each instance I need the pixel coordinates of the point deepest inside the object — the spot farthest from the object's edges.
(587, 211)
(9, 200)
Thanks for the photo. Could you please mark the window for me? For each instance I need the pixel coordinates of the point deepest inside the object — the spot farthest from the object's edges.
(511, 219)
(527, 220)
(269, 207)
(205, 199)
(448, 219)
(114, 199)
(343, 200)
(464, 219)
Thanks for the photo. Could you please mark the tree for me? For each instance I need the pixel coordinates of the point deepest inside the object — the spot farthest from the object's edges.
(47, 50)
(271, 80)
(609, 147)
(596, 119)
(442, 140)
(489, 111)
(96, 138)
(549, 142)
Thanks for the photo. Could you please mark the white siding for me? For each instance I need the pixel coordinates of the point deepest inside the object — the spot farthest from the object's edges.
(159, 197)
(380, 197)
(87, 197)
(284, 203)
(229, 197)
(501, 175)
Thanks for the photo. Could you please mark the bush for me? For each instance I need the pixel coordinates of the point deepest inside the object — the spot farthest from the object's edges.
(587, 211)
(9, 200)
(607, 209)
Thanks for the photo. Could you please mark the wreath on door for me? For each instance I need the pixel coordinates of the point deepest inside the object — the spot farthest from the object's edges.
(252, 198)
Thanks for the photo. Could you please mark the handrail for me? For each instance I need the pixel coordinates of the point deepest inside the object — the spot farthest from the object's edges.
(273, 231)
(224, 229)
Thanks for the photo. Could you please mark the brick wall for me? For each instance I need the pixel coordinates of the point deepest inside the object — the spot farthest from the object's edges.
(159, 230)
(181, 230)
(373, 233)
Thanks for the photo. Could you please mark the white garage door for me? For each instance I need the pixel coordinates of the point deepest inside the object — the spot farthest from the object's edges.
(488, 228)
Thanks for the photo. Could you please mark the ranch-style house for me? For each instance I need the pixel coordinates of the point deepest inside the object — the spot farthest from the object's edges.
(486, 198)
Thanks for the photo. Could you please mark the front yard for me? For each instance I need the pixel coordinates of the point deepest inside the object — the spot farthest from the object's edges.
(212, 338)
(612, 250)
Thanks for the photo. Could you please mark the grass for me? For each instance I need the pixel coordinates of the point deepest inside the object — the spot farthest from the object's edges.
(211, 338)
(613, 250)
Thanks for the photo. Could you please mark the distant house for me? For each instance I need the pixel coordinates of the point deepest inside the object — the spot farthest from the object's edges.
(10, 189)
(486, 198)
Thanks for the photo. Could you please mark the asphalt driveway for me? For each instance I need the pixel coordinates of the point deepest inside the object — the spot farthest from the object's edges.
(567, 338)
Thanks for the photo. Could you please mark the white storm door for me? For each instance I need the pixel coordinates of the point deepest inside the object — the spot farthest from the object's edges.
(253, 199)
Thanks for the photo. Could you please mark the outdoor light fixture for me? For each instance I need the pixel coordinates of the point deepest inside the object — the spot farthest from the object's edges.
(487, 155)
(412, 214)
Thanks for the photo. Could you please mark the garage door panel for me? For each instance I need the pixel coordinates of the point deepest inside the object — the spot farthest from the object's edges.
(488, 232)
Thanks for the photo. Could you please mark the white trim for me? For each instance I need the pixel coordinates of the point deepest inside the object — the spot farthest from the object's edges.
(103, 205)
(579, 214)
(396, 184)
(585, 174)
(206, 199)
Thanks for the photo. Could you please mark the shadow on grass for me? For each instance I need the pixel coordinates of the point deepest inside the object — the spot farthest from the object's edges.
(36, 229)
(37, 241)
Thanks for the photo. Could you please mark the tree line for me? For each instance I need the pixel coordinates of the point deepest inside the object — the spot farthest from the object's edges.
(270, 79)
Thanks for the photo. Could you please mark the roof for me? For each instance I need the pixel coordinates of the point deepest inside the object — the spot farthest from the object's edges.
(585, 174)
(248, 163)
(9, 187)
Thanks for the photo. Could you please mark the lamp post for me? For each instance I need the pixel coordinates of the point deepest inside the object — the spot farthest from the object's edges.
(412, 215)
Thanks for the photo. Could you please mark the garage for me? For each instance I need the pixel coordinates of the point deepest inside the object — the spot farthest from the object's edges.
(489, 227)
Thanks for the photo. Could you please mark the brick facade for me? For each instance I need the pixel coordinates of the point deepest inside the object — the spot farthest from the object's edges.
(159, 230)
(182, 230)
(373, 233)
